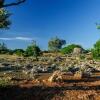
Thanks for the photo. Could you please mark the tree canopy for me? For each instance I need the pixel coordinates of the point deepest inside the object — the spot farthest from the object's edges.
(98, 25)
(4, 14)
(4, 19)
(4, 4)
(55, 44)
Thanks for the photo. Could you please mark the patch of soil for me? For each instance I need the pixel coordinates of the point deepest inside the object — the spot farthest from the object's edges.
(41, 89)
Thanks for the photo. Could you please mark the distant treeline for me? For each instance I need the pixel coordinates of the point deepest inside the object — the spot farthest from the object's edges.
(54, 45)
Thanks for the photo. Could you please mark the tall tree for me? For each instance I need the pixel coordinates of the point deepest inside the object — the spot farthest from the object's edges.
(4, 19)
(55, 44)
(4, 14)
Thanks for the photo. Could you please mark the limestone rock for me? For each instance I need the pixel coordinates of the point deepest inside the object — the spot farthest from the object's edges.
(77, 51)
(56, 77)
(78, 75)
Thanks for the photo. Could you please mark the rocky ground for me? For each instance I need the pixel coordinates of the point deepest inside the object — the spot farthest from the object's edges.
(50, 78)
(41, 89)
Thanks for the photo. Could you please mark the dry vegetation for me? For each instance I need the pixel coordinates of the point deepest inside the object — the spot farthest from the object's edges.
(54, 85)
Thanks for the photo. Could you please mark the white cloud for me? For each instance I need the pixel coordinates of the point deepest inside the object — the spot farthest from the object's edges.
(17, 38)
(6, 38)
(24, 38)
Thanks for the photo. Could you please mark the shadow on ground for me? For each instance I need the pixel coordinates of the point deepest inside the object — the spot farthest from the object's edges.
(39, 92)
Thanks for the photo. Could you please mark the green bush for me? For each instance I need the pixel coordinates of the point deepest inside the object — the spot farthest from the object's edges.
(32, 50)
(96, 50)
(19, 52)
(69, 48)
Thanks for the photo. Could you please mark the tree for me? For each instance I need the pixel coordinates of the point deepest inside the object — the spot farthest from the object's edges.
(3, 48)
(55, 44)
(3, 4)
(33, 50)
(4, 14)
(96, 50)
(69, 49)
(97, 25)
(4, 21)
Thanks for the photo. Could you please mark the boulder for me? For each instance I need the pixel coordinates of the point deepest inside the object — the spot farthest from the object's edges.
(56, 77)
(77, 51)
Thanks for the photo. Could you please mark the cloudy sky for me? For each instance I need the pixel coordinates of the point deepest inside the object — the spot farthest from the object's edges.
(40, 20)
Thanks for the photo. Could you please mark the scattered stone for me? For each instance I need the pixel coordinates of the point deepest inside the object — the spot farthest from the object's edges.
(78, 75)
(77, 51)
(56, 77)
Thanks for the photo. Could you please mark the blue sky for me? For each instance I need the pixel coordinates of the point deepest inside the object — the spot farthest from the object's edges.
(40, 20)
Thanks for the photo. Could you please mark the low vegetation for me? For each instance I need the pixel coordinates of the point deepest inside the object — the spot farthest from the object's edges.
(49, 73)
(54, 45)
(69, 49)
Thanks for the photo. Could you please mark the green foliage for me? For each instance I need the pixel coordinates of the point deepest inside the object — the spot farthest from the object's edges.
(19, 52)
(3, 48)
(96, 50)
(55, 44)
(32, 50)
(98, 26)
(69, 48)
(4, 21)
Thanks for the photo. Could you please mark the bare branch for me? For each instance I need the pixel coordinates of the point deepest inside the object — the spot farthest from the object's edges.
(14, 3)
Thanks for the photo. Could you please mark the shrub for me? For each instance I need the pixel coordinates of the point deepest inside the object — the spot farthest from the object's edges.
(18, 52)
(69, 49)
(96, 50)
(33, 50)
